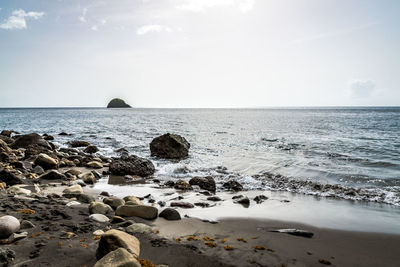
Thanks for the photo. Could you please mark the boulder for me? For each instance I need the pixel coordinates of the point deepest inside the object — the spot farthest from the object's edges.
(75, 172)
(132, 165)
(114, 239)
(48, 137)
(73, 189)
(17, 190)
(214, 198)
(91, 149)
(185, 205)
(38, 170)
(114, 202)
(8, 133)
(133, 200)
(78, 143)
(94, 165)
(8, 226)
(117, 103)
(23, 141)
(139, 228)
(87, 178)
(182, 185)
(242, 200)
(101, 208)
(141, 211)
(170, 146)
(170, 214)
(233, 185)
(118, 258)
(206, 183)
(46, 161)
(53, 175)
(98, 218)
(9, 178)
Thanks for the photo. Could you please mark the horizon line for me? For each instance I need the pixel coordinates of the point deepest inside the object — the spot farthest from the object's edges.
(255, 107)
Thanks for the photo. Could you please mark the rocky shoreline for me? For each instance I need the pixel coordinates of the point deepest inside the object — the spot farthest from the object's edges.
(46, 215)
(49, 218)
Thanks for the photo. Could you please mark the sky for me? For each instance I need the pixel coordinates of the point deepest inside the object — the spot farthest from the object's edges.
(199, 53)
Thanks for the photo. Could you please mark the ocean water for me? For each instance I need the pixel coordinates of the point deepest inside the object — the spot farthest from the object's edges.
(350, 153)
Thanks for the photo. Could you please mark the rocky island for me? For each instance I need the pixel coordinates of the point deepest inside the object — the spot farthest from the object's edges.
(117, 103)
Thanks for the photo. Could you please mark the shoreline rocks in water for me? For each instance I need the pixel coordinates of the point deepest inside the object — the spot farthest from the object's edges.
(132, 165)
(118, 103)
(169, 146)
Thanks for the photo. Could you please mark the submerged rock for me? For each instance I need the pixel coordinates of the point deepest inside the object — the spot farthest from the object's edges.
(233, 185)
(182, 185)
(170, 146)
(114, 239)
(170, 214)
(117, 103)
(91, 149)
(185, 205)
(206, 183)
(78, 143)
(132, 165)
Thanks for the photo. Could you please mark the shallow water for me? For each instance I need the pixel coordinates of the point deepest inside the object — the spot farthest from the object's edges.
(276, 149)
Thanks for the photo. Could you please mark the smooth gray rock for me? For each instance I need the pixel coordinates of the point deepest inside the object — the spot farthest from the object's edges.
(8, 226)
(99, 218)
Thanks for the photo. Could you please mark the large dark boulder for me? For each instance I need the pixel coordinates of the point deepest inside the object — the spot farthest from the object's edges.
(78, 143)
(206, 183)
(9, 178)
(170, 214)
(170, 146)
(23, 141)
(233, 185)
(132, 165)
(117, 103)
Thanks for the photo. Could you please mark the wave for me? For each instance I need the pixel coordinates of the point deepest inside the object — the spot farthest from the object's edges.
(277, 182)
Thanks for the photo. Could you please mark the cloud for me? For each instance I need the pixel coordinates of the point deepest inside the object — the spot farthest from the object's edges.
(362, 88)
(83, 17)
(202, 5)
(334, 33)
(95, 27)
(153, 28)
(18, 18)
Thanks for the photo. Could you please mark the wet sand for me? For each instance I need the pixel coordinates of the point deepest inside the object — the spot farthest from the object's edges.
(339, 248)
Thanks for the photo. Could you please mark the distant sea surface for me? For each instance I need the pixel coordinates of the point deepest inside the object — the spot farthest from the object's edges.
(351, 153)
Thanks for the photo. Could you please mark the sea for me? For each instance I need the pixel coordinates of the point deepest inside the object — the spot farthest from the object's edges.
(334, 152)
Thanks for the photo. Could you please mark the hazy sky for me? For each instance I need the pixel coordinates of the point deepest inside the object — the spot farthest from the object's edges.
(199, 53)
